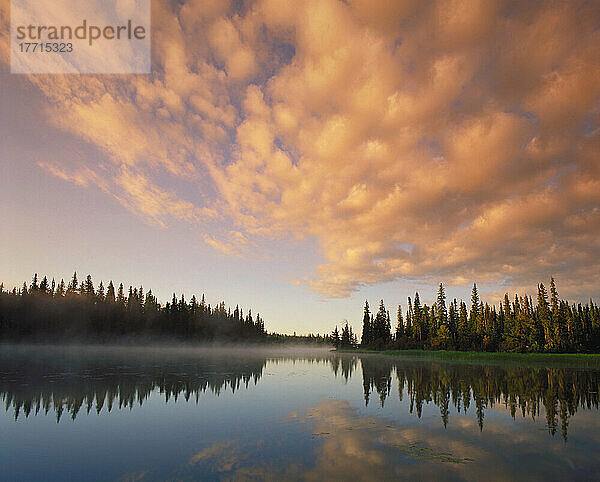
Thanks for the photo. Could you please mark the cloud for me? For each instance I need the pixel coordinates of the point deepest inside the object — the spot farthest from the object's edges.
(236, 243)
(467, 131)
(222, 450)
(366, 447)
(348, 445)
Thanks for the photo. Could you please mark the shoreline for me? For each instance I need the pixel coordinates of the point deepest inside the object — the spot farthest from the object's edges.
(591, 360)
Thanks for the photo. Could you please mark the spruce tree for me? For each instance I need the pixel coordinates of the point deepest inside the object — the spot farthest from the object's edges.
(73, 285)
(554, 301)
(381, 329)
(409, 320)
(544, 317)
(34, 283)
(110, 293)
(453, 322)
(464, 333)
(61, 290)
(417, 319)
(475, 315)
(388, 327)
(367, 331)
(44, 286)
(89, 286)
(440, 307)
(399, 325)
(100, 293)
(121, 295)
(345, 340)
(335, 337)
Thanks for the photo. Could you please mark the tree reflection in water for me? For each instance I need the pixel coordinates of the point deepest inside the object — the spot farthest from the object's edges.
(44, 383)
(521, 389)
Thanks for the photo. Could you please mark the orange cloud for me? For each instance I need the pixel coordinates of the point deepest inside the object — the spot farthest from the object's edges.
(450, 140)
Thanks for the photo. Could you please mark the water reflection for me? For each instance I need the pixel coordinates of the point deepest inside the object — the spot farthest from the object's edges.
(522, 390)
(355, 446)
(344, 366)
(71, 381)
(91, 381)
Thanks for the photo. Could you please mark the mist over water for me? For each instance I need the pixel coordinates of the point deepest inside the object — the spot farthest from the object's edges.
(239, 412)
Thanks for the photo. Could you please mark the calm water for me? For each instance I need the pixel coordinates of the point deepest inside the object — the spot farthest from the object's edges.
(155, 414)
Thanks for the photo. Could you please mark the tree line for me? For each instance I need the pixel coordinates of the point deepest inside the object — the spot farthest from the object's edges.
(550, 325)
(47, 310)
(345, 339)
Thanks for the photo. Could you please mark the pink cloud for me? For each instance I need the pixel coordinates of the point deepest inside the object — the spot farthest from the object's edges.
(469, 132)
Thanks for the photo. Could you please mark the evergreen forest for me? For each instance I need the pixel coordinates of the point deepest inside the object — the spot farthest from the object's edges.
(50, 311)
(548, 325)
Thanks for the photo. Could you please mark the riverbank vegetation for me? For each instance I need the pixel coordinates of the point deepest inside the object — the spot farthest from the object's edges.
(551, 325)
(547, 359)
(46, 310)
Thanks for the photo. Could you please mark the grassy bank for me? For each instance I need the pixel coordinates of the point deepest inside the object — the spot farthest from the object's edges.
(547, 359)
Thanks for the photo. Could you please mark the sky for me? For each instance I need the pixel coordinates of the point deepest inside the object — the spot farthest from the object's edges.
(298, 158)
